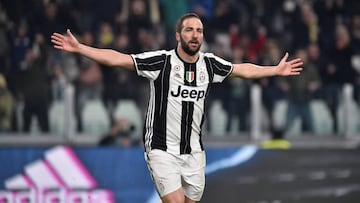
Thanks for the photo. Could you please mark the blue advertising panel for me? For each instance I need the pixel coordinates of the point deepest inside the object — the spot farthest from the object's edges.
(89, 174)
(63, 174)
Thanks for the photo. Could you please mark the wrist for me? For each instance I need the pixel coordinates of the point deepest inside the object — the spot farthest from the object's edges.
(277, 70)
(78, 49)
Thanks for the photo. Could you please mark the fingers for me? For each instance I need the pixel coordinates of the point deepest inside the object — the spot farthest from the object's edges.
(56, 38)
(57, 35)
(295, 60)
(297, 64)
(58, 47)
(56, 43)
(295, 73)
(285, 57)
(296, 70)
(70, 34)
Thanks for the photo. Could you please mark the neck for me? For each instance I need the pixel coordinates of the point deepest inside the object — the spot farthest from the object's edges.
(186, 57)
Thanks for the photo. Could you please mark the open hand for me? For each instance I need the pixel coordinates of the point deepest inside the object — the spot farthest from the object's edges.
(67, 43)
(286, 68)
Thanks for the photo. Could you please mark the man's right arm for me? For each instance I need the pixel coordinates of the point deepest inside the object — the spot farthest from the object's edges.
(107, 57)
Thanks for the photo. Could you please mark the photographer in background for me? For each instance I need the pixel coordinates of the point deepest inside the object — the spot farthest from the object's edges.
(119, 135)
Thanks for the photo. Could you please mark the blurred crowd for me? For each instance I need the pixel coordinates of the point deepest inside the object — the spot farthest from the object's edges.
(325, 33)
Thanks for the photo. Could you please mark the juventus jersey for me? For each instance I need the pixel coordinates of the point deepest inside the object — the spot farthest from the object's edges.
(178, 91)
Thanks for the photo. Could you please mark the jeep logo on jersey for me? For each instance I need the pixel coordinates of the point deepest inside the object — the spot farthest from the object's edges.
(188, 93)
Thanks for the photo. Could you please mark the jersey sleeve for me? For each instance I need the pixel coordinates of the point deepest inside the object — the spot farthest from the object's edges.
(220, 68)
(149, 64)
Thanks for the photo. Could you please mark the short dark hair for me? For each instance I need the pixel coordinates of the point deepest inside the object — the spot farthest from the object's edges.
(179, 23)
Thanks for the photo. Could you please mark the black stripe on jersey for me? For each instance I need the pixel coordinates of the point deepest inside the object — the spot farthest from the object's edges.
(152, 64)
(144, 131)
(186, 126)
(161, 93)
(211, 77)
(200, 135)
(187, 113)
(219, 68)
(210, 69)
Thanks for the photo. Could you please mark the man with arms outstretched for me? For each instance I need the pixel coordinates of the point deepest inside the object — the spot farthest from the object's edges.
(180, 80)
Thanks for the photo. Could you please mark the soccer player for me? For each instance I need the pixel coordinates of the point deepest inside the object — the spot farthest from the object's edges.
(180, 80)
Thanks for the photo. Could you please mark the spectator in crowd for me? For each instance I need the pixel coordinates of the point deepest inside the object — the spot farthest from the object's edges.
(53, 18)
(106, 39)
(237, 102)
(172, 10)
(6, 106)
(135, 19)
(257, 44)
(328, 12)
(89, 86)
(105, 35)
(224, 15)
(355, 30)
(338, 70)
(307, 27)
(329, 92)
(20, 43)
(300, 92)
(35, 85)
(58, 83)
(341, 55)
(4, 42)
(270, 89)
(111, 95)
(272, 17)
(316, 57)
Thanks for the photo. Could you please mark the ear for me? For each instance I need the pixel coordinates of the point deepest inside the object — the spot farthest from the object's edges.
(177, 35)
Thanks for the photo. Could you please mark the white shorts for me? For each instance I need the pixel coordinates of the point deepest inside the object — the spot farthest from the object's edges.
(170, 172)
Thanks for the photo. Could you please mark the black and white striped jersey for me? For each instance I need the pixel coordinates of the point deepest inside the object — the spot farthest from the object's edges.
(177, 98)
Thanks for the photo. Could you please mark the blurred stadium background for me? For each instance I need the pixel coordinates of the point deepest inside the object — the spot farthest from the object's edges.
(50, 99)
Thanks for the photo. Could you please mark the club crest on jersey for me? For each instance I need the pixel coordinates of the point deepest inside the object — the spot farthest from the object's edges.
(202, 76)
(189, 76)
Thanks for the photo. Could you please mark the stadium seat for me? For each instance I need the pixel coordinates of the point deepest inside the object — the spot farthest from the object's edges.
(279, 114)
(218, 118)
(95, 118)
(323, 121)
(57, 118)
(354, 118)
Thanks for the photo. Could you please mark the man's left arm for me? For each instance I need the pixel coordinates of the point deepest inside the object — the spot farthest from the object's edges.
(252, 71)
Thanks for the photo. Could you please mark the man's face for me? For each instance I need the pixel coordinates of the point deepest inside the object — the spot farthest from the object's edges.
(191, 36)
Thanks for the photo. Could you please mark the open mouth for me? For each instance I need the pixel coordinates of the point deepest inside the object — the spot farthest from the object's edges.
(193, 43)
